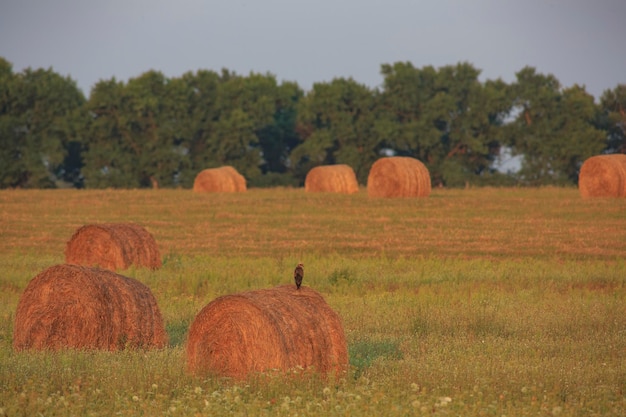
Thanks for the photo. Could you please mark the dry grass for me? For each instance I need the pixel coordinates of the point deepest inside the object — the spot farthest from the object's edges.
(471, 302)
(489, 222)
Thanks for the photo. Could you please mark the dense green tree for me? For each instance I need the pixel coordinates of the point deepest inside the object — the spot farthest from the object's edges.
(470, 138)
(156, 112)
(249, 123)
(37, 110)
(411, 110)
(197, 112)
(554, 129)
(447, 118)
(612, 118)
(263, 102)
(336, 122)
(279, 138)
(135, 133)
(108, 145)
(8, 174)
(157, 131)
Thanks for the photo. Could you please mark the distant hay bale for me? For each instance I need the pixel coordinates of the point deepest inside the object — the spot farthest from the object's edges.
(275, 329)
(398, 176)
(113, 246)
(225, 179)
(603, 176)
(332, 179)
(72, 306)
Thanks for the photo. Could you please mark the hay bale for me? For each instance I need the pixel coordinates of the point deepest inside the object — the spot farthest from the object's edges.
(603, 176)
(113, 246)
(398, 176)
(225, 179)
(331, 179)
(72, 306)
(272, 329)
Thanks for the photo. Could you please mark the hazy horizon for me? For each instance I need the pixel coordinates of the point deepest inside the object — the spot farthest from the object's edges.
(307, 42)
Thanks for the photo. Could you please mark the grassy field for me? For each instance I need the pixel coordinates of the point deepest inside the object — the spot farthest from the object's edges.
(470, 302)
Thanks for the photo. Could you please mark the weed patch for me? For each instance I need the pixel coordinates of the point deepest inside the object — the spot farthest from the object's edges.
(364, 352)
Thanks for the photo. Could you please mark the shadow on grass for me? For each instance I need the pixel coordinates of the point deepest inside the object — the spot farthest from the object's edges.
(177, 332)
(364, 352)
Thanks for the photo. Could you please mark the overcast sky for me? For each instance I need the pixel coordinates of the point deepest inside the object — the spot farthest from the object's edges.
(578, 41)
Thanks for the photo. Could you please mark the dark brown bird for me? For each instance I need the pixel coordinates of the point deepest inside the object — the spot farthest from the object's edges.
(298, 274)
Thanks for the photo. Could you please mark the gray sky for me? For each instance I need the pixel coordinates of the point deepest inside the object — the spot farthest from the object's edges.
(578, 41)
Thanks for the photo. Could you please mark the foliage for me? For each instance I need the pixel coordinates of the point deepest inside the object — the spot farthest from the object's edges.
(336, 123)
(554, 130)
(130, 142)
(612, 118)
(446, 118)
(36, 111)
(155, 131)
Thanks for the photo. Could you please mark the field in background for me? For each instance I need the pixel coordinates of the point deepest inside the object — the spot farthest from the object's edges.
(470, 302)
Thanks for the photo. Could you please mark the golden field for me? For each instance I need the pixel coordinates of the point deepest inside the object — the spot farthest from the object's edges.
(481, 301)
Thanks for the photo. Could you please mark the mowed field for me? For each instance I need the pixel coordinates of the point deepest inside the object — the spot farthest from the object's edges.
(469, 302)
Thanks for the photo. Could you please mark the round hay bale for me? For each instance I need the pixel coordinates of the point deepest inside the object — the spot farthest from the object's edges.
(398, 176)
(113, 246)
(273, 329)
(331, 179)
(225, 179)
(72, 306)
(603, 176)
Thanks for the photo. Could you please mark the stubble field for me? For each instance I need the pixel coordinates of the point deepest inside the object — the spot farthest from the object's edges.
(469, 302)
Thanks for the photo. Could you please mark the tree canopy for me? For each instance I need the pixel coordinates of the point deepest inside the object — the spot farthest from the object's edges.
(157, 131)
(37, 126)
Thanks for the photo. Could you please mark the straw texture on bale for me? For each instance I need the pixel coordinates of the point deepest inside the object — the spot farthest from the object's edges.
(398, 176)
(225, 179)
(113, 246)
(73, 306)
(331, 179)
(274, 329)
(603, 176)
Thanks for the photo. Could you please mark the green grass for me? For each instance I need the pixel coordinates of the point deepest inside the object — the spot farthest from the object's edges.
(471, 302)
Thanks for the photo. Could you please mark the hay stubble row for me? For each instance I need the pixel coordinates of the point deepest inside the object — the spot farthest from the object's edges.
(485, 222)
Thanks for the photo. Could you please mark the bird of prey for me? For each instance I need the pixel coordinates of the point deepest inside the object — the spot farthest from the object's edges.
(298, 274)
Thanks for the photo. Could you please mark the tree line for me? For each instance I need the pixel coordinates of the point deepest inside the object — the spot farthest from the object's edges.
(158, 131)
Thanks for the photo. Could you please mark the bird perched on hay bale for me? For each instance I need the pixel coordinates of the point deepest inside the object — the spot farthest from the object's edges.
(298, 274)
(603, 176)
(398, 176)
(72, 306)
(276, 329)
(331, 179)
(224, 179)
(113, 246)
